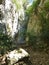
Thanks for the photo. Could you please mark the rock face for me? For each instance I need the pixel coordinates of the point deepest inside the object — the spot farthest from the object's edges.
(10, 15)
(14, 19)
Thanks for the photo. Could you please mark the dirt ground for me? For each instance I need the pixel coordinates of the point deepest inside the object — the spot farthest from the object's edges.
(38, 57)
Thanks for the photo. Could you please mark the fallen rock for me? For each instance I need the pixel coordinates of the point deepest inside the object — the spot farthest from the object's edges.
(16, 55)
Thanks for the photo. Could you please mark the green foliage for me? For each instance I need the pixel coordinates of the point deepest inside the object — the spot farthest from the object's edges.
(33, 7)
(29, 10)
(46, 5)
(32, 38)
(5, 43)
(16, 2)
(41, 14)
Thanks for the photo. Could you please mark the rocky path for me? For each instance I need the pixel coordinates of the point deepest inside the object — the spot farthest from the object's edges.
(36, 57)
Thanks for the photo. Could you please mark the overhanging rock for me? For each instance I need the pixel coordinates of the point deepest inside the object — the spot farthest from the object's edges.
(16, 55)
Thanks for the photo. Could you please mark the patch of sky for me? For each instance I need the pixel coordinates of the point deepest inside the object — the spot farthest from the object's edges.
(30, 1)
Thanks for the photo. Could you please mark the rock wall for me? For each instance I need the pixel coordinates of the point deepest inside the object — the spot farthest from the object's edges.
(11, 16)
(14, 18)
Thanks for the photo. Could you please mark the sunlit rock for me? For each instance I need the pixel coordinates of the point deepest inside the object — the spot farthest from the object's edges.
(17, 55)
(8, 4)
(13, 18)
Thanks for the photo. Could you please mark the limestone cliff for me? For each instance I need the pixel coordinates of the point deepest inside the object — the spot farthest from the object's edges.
(9, 15)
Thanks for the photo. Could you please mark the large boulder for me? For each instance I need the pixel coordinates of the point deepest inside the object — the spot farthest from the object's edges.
(16, 56)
